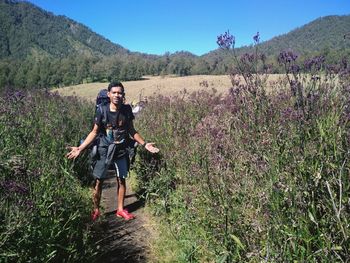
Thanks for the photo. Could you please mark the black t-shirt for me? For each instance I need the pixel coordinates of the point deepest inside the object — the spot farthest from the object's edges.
(115, 126)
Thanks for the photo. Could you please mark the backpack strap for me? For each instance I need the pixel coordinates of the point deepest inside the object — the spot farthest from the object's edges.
(126, 109)
(103, 110)
(128, 112)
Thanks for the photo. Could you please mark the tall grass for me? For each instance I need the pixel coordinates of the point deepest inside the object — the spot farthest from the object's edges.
(44, 208)
(254, 176)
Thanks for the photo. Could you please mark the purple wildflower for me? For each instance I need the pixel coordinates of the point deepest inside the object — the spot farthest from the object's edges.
(287, 56)
(344, 73)
(12, 186)
(290, 114)
(314, 63)
(226, 40)
(295, 68)
(256, 38)
(344, 63)
(247, 58)
(332, 68)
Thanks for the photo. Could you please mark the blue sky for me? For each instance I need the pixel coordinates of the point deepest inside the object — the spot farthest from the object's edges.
(158, 26)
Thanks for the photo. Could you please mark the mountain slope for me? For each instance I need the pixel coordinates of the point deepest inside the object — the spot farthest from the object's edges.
(318, 35)
(28, 30)
(323, 35)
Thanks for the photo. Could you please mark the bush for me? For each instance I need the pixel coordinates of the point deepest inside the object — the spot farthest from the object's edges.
(44, 208)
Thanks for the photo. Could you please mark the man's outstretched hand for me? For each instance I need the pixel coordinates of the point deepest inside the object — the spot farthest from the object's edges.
(74, 153)
(151, 148)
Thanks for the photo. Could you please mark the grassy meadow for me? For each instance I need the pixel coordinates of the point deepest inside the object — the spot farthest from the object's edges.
(157, 85)
(152, 85)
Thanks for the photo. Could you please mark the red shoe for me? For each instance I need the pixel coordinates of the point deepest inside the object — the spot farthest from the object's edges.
(125, 214)
(95, 214)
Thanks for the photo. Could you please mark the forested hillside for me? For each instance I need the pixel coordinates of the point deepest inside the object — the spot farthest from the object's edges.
(326, 35)
(28, 30)
(41, 50)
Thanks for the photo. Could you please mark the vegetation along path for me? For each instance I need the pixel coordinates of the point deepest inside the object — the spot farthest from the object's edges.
(121, 240)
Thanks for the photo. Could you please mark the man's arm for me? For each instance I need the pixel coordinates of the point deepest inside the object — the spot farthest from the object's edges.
(75, 151)
(150, 146)
(137, 137)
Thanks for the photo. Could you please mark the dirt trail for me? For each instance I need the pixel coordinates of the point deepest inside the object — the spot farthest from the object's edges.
(121, 240)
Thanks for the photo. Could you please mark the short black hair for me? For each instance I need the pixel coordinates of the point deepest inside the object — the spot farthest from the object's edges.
(115, 84)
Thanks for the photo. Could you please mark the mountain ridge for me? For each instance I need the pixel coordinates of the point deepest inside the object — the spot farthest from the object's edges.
(304, 40)
(60, 36)
(40, 49)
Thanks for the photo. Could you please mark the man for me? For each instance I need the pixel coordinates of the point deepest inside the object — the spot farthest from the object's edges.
(113, 124)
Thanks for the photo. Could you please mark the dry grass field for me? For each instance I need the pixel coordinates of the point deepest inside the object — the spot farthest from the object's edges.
(150, 86)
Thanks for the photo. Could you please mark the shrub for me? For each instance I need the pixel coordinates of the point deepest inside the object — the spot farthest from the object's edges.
(44, 208)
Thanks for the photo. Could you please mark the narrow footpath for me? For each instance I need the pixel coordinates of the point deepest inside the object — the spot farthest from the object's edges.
(121, 240)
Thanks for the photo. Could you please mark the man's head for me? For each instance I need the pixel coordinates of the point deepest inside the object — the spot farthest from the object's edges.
(116, 92)
(115, 84)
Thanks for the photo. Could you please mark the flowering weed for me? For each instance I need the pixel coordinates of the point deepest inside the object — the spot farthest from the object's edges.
(43, 207)
(254, 176)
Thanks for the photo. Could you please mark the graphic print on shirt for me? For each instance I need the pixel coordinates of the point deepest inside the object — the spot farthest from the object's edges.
(116, 131)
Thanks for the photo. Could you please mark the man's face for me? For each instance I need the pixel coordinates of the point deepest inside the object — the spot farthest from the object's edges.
(116, 95)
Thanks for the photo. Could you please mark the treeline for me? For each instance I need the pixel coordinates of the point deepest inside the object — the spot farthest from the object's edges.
(45, 72)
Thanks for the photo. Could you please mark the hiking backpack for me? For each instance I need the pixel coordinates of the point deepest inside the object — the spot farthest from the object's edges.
(102, 97)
